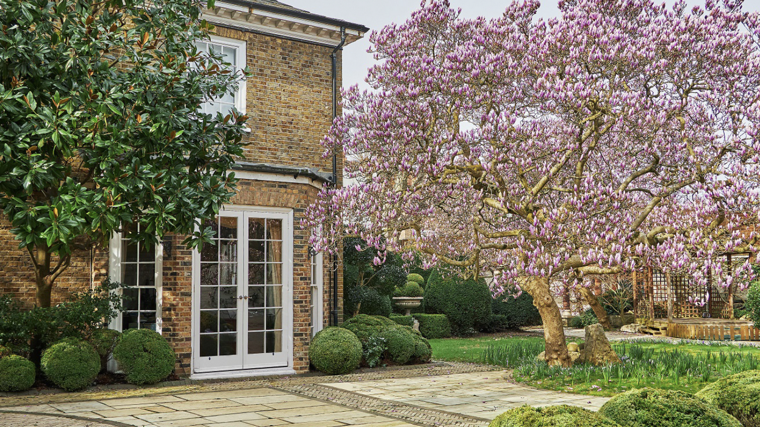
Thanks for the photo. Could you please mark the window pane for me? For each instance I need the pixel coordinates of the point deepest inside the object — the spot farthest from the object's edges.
(256, 274)
(228, 297)
(274, 251)
(274, 229)
(255, 296)
(209, 297)
(274, 341)
(209, 274)
(208, 345)
(228, 321)
(274, 319)
(256, 320)
(256, 229)
(228, 228)
(227, 344)
(148, 320)
(228, 274)
(129, 274)
(129, 320)
(209, 321)
(210, 251)
(131, 299)
(147, 275)
(274, 274)
(228, 250)
(147, 252)
(256, 251)
(255, 342)
(148, 299)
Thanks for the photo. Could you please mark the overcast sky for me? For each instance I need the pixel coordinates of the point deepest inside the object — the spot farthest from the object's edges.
(376, 14)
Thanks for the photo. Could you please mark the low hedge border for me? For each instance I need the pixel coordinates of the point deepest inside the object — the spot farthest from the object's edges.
(433, 326)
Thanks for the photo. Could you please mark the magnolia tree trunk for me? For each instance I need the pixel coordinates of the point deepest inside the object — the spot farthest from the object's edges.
(45, 274)
(600, 312)
(554, 333)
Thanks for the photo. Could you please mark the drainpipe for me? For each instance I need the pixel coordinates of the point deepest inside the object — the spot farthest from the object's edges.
(334, 257)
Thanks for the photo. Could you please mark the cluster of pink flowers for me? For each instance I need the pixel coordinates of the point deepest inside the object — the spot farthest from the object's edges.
(619, 135)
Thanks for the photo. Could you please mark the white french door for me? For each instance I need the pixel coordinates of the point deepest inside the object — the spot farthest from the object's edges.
(242, 287)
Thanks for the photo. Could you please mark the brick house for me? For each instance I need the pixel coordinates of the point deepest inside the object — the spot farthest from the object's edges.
(250, 304)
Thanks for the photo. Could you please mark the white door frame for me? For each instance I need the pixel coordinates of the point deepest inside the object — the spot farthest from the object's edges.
(286, 364)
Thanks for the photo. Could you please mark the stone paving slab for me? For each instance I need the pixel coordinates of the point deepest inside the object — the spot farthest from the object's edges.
(479, 395)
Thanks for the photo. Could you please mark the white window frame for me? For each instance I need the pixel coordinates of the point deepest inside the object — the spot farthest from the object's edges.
(114, 273)
(317, 281)
(240, 60)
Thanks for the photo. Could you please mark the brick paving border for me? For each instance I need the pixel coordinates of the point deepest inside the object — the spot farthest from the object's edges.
(412, 414)
(44, 419)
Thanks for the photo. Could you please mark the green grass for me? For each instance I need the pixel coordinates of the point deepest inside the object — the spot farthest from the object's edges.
(683, 366)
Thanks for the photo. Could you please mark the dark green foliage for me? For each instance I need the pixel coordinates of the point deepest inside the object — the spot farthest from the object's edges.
(335, 351)
(373, 350)
(434, 326)
(410, 289)
(5, 351)
(365, 326)
(145, 356)
(498, 323)
(372, 302)
(16, 373)
(665, 408)
(588, 318)
(112, 134)
(104, 341)
(400, 344)
(575, 322)
(71, 364)
(367, 284)
(738, 394)
(520, 311)
(551, 416)
(416, 278)
(78, 317)
(403, 320)
(466, 303)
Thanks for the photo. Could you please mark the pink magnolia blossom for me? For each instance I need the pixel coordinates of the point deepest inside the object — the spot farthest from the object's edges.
(620, 135)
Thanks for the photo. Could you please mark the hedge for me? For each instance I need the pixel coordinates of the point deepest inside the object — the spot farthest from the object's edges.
(335, 351)
(401, 344)
(145, 356)
(519, 311)
(403, 320)
(466, 303)
(738, 394)
(551, 416)
(434, 326)
(665, 408)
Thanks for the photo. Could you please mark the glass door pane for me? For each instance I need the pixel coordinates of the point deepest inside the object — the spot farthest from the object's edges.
(219, 290)
(265, 286)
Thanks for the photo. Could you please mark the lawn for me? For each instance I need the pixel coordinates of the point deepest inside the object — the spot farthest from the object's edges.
(684, 366)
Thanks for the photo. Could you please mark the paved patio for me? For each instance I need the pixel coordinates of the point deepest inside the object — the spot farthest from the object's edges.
(447, 395)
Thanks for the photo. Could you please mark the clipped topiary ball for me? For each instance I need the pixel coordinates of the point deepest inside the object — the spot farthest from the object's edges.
(400, 344)
(738, 394)
(422, 349)
(665, 408)
(16, 373)
(416, 278)
(551, 416)
(145, 356)
(335, 351)
(71, 364)
(365, 326)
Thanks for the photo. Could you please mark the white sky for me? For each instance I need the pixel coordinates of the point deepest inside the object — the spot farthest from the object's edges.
(376, 14)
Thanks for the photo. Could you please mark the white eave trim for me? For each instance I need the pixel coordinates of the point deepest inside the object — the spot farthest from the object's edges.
(278, 24)
(278, 177)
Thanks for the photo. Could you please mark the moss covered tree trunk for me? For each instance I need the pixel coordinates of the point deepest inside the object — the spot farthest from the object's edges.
(593, 301)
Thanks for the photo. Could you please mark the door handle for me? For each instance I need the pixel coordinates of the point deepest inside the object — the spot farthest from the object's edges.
(243, 297)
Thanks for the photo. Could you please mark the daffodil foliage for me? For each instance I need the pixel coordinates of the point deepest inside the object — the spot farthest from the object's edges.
(100, 124)
(622, 134)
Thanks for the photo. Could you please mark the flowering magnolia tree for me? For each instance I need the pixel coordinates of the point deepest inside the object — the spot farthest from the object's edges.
(620, 135)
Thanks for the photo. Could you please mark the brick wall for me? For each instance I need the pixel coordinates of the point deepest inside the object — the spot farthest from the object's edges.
(289, 102)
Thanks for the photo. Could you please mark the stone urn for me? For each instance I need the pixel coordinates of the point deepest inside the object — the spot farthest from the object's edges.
(408, 303)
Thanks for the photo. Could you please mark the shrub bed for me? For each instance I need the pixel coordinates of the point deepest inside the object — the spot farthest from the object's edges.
(399, 344)
(551, 416)
(16, 373)
(665, 408)
(364, 326)
(145, 356)
(434, 326)
(466, 303)
(71, 364)
(403, 320)
(738, 394)
(335, 351)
